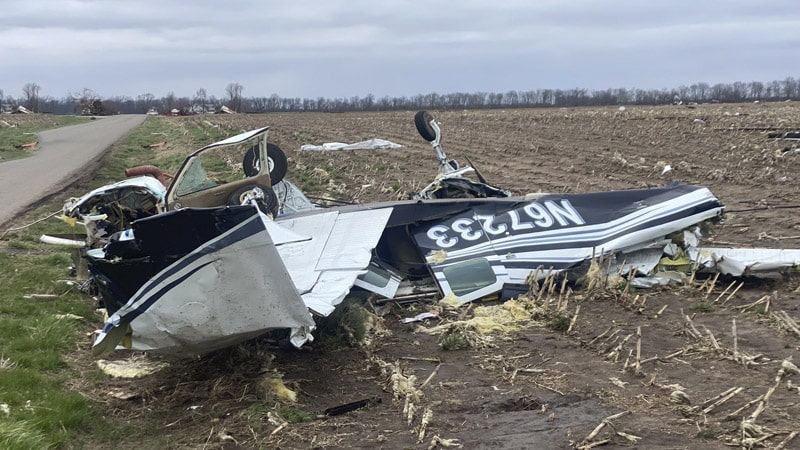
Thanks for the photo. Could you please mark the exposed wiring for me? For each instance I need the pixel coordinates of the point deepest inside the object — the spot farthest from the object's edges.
(28, 225)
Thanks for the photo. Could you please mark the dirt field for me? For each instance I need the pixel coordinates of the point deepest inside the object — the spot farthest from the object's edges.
(535, 385)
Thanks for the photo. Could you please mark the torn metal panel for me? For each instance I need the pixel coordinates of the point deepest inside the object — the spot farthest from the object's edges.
(329, 290)
(292, 200)
(195, 280)
(114, 207)
(238, 139)
(641, 262)
(744, 261)
(380, 280)
(301, 258)
(325, 267)
(149, 187)
(230, 288)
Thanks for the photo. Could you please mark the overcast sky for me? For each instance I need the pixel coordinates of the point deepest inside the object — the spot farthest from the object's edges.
(344, 48)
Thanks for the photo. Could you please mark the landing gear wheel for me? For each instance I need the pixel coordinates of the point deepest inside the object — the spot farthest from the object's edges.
(276, 162)
(266, 199)
(422, 120)
(250, 163)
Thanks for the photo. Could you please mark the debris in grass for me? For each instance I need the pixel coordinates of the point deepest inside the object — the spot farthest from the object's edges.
(437, 441)
(280, 389)
(69, 316)
(420, 317)
(40, 296)
(133, 367)
(6, 363)
(348, 407)
(121, 394)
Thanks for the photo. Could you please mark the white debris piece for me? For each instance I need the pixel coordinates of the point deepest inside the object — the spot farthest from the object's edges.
(325, 266)
(371, 144)
(745, 261)
(420, 317)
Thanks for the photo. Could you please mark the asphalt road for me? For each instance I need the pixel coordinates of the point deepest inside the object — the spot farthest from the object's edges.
(65, 155)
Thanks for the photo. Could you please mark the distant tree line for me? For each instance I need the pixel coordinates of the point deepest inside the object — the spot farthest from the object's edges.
(87, 102)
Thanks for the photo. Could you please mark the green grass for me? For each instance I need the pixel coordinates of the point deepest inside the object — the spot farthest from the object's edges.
(558, 323)
(344, 327)
(293, 415)
(11, 138)
(21, 435)
(454, 339)
(702, 307)
(43, 412)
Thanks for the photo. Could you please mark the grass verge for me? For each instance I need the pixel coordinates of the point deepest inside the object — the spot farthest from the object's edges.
(43, 317)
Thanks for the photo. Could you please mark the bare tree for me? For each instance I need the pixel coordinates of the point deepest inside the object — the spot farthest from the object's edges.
(169, 102)
(790, 87)
(31, 92)
(146, 100)
(234, 91)
(757, 90)
(200, 97)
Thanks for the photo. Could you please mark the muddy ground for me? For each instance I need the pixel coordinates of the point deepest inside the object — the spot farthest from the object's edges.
(535, 384)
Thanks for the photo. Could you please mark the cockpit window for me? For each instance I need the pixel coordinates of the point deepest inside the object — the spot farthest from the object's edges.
(469, 276)
(211, 168)
(195, 179)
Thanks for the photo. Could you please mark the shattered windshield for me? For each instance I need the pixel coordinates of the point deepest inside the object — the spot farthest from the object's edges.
(212, 168)
(195, 179)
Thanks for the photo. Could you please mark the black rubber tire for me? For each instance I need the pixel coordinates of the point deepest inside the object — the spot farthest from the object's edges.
(268, 205)
(422, 120)
(278, 162)
(249, 162)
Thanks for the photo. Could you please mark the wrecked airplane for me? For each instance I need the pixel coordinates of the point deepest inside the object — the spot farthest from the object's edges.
(197, 275)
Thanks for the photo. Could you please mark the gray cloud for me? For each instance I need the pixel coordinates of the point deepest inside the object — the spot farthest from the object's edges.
(344, 48)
